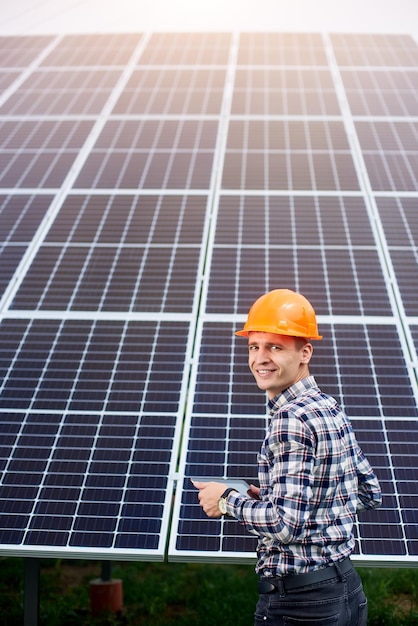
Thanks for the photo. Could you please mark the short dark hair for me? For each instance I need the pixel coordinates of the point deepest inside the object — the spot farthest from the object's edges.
(300, 342)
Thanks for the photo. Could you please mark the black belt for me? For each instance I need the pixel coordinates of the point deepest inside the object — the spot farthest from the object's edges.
(267, 585)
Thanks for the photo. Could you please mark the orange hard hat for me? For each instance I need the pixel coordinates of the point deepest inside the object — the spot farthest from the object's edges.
(282, 312)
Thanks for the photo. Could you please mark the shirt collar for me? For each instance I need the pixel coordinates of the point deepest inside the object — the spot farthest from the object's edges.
(291, 393)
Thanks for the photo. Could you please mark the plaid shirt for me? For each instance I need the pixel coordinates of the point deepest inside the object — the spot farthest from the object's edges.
(313, 478)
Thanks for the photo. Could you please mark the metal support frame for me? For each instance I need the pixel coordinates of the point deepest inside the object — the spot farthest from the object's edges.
(31, 592)
(106, 571)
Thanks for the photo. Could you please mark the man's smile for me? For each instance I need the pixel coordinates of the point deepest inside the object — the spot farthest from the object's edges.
(264, 372)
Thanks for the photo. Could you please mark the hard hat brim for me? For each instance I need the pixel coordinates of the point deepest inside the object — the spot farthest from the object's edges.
(244, 333)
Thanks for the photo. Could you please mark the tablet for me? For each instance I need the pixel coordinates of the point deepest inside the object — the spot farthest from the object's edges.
(239, 484)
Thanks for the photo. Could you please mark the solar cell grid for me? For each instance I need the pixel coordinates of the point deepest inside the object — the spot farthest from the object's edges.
(44, 135)
(93, 49)
(179, 91)
(363, 49)
(299, 220)
(287, 155)
(405, 263)
(82, 92)
(39, 154)
(20, 51)
(281, 49)
(151, 155)
(280, 91)
(88, 498)
(387, 92)
(390, 154)
(144, 255)
(400, 220)
(80, 365)
(314, 245)
(21, 216)
(85, 468)
(187, 49)
(7, 79)
(157, 220)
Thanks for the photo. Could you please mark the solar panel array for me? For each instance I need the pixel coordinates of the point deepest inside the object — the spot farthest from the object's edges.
(152, 186)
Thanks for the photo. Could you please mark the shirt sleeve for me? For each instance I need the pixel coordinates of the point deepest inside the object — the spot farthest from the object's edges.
(369, 492)
(284, 509)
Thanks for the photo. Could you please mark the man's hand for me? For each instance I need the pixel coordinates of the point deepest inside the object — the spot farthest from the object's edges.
(254, 492)
(209, 494)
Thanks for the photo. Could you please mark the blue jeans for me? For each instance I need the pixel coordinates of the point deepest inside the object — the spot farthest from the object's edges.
(336, 602)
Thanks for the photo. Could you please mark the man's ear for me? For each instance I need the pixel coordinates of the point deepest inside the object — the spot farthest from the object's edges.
(306, 352)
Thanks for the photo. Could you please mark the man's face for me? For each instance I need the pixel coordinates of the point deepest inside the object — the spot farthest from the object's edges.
(277, 361)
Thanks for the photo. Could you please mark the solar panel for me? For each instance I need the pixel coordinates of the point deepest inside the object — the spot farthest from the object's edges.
(160, 154)
(38, 153)
(172, 91)
(118, 254)
(283, 155)
(384, 92)
(20, 51)
(88, 456)
(54, 92)
(94, 50)
(185, 49)
(390, 154)
(152, 186)
(284, 91)
(374, 50)
(323, 245)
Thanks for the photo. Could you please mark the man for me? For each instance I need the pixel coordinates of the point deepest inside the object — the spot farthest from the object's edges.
(313, 478)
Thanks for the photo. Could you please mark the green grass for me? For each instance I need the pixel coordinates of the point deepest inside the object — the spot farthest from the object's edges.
(164, 594)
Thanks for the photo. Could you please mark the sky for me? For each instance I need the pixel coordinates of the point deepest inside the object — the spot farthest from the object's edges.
(78, 16)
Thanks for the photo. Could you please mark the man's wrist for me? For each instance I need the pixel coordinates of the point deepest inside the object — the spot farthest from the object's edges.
(222, 502)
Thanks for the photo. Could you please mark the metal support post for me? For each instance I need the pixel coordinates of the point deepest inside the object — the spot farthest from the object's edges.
(31, 592)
